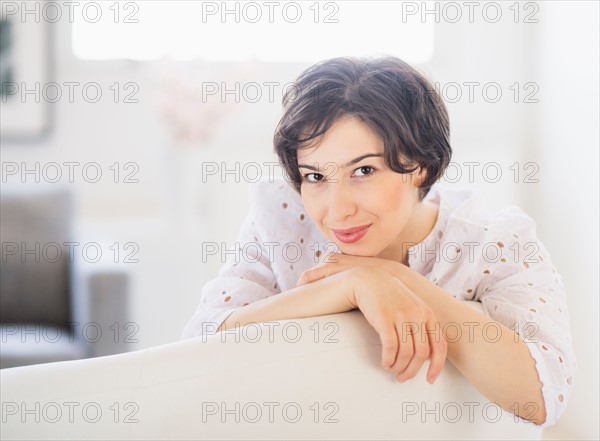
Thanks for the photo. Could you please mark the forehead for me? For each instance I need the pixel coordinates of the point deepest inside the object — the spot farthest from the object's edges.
(346, 139)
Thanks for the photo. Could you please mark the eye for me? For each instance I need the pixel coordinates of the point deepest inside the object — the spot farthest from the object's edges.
(366, 173)
(306, 178)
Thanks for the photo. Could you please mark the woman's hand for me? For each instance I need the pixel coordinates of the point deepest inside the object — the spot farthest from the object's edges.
(333, 262)
(393, 310)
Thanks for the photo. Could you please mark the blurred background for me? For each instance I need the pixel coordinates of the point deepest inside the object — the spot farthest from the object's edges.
(130, 132)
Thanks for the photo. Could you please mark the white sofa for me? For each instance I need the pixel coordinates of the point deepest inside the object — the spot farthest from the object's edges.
(314, 378)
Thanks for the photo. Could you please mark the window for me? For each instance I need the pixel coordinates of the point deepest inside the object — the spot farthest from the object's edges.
(270, 31)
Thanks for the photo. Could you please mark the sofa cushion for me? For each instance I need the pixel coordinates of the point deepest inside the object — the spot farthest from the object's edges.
(34, 266)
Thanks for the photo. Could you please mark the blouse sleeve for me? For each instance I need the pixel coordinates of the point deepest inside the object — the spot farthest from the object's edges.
(245, 277)
(529, 296)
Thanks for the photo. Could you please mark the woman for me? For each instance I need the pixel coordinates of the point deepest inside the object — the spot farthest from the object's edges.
(363, 143)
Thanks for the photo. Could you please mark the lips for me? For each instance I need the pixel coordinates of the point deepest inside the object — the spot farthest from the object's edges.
(351, 235)
(350, 230)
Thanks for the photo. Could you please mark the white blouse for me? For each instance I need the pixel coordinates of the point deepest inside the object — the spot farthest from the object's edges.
(472, 254)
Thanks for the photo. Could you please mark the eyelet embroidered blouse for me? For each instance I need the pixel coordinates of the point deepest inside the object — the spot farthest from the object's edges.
(493, 258)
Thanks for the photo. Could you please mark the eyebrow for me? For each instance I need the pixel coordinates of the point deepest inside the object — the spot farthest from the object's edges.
(352, 162)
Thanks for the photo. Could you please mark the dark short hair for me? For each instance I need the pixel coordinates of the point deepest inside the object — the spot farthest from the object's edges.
(391, 97)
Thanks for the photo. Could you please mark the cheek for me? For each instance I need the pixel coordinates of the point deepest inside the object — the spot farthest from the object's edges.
(392, 205)
(313, 207)
(388, 198)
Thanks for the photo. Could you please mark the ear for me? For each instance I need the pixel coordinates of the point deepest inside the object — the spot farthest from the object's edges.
(420, 176)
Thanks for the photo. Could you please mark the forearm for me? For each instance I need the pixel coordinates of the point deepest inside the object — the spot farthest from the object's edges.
(498, 364)
(326, 296)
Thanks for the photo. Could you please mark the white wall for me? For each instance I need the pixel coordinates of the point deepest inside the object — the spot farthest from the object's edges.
(566, 142)
(560, 134)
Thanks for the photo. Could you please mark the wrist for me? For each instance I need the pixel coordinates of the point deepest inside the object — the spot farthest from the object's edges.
(350, 285)
(359, 278)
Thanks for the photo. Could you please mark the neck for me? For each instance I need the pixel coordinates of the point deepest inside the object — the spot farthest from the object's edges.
(418, 227)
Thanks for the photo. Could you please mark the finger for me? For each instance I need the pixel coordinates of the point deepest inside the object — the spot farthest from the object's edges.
(302, 279)
(331, 257)
(310, 275)
(439, 350)
(320, 272)
(406, 350)
(389, 346)
(421, 354)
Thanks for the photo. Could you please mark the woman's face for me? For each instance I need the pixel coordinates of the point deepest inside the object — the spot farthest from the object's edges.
(340, 191)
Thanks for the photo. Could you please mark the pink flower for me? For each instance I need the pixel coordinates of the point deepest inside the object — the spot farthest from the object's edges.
(191, 99)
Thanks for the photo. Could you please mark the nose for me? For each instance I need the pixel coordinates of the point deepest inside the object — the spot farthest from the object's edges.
(341, 202)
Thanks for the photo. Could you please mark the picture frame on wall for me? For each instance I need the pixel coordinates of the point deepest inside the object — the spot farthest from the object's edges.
(25, 75)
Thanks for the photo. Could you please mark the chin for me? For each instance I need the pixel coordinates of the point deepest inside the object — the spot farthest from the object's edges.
(358, 250)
